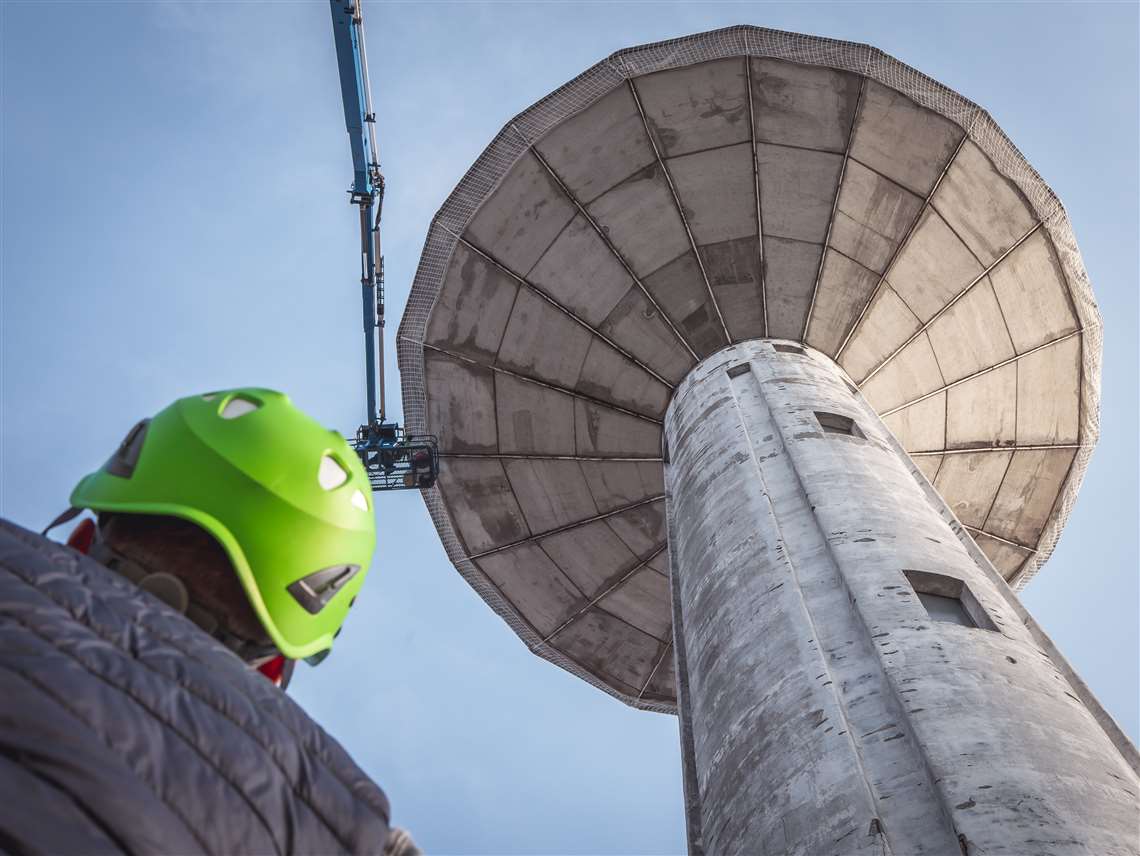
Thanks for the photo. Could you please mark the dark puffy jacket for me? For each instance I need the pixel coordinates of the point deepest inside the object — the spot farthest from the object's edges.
(124, 728)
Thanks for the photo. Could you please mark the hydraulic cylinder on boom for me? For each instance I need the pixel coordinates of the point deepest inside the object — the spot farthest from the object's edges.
(392, 459)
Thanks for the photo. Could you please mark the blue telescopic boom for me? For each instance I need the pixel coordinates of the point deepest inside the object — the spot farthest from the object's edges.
(392, 459)
(367, 187)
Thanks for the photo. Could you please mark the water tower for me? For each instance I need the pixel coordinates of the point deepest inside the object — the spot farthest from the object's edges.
(765, 369)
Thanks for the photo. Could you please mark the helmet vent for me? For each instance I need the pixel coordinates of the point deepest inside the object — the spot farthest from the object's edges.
(318, 588)
(126, 457)
(237, 406)
(331, 474)
(359, 501)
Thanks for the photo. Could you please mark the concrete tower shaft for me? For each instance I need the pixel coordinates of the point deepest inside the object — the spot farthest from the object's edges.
(848, 659)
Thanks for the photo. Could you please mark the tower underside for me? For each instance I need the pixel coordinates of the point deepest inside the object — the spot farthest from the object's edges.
(854, 678)
(680, 197)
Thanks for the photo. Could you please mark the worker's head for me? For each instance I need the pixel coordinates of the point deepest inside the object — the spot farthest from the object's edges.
(244, 513)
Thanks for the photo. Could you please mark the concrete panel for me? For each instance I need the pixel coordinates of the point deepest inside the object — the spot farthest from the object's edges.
(642, 528)
(589, 555)
(1048, 394)
(618, 483)
(533, 584)
(887, 323)
(532, 419)
(613, 125)
(600, 431)
(679, 289)
(1028, 493)
(929, 465)
(801, 105)
(608, 375)
(922, 426)
(581, 273)
(480, 502)
(971, 334)
(1007, 558)
(873, 215)
(697, 107)
(970, 482)
(473, 306)
(733, 269)
(639, 327)
(797, 191)
(640, 217)
(906, 143)
(642, 601)
(982, 206)
(534, 325)
(790, 269)
(717, 192)
(461, 407)
(844, 289)
(981, 412)
(551, 493)
(1033, 295)
(607, 646)
(522, 217)
(910, 373)
(933, 267)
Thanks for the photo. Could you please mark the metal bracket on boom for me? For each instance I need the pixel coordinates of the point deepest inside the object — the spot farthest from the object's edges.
(393, 460)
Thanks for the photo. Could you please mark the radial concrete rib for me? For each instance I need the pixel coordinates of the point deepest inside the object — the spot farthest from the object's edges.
(680, 209)
(522, 280)
(1006, 541)
(614, 250)
(834, 207)
(926, 326)
(621, 580)
(978, 373)
(1029, 447)
(545, 383)
(756, 188)
(575, 525)
(665, 648)
(902, 245)
(502, 456)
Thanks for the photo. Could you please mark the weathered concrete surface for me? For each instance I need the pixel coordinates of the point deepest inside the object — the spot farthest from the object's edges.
(720, 188)
(823, 710)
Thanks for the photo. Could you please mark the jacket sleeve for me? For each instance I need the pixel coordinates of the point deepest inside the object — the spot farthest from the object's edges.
(124, 728)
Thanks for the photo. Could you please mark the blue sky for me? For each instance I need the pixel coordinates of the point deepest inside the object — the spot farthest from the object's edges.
(173, 220)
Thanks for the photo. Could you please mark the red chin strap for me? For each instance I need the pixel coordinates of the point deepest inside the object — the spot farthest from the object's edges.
(274, 669)
(83, 536)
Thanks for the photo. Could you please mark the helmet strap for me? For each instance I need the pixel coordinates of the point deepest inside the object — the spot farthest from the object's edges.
(62, 518)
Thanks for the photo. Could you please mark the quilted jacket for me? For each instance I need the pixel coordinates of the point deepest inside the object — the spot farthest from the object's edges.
(126, 729)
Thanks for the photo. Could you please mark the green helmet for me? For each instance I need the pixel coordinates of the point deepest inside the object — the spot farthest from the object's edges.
(288, 500)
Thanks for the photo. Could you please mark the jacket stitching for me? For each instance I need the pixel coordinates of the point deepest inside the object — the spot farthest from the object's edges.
(64, 704)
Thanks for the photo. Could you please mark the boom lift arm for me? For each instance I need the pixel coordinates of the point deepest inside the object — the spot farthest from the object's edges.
(393, 460)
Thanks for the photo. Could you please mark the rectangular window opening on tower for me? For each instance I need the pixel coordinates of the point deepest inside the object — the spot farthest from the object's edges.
(835, 423)
(948, 600)
(738, 370)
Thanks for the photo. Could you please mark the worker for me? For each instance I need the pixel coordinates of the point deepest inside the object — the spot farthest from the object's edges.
(141, 702)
